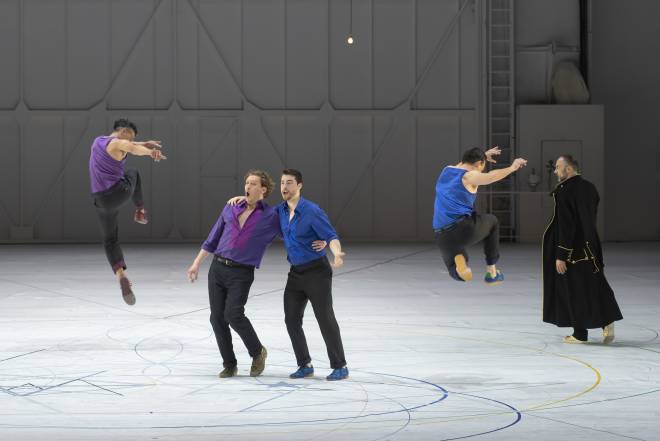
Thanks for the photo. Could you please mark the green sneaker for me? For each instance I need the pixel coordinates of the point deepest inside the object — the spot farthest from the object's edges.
(258, 363)
(228, 372)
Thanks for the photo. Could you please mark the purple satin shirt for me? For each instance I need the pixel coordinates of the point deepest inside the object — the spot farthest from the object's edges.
(245, 245)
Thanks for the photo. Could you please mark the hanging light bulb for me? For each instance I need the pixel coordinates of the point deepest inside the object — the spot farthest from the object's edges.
(350, 40)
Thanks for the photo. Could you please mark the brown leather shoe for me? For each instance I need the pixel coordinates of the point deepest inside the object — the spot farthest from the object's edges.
(141, 216)
(126, 291)
(258, 363)
(228, 372)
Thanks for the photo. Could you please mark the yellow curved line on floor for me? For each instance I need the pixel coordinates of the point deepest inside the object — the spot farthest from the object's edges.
(548, 404)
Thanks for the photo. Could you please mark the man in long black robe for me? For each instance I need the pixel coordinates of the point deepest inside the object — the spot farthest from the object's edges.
(575, 291)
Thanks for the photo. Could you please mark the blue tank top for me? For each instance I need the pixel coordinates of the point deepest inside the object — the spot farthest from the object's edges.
(104, 170)
(452, 199)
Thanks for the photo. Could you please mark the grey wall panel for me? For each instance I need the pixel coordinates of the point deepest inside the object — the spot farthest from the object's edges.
(145, 75)
(351, 72)
(78, 221)
(350, 193)
(395, 183)
(229, 85)
(394, 52)
(625, 78)
(45, 54)
(44, 151)
(439, 89)
(188, 179)
(163, 180)
(264, 52)
(10, 170)
(209, 62)
(187, 57)
(307, 150)
(217, 143)
(218, 54)
(87, 59)
(262, 145)
(10, 54)
(539, 22)
(306, 53)
(469, 72)
(438, 145)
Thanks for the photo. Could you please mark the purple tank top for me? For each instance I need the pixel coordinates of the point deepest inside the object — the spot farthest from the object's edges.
(104, 170)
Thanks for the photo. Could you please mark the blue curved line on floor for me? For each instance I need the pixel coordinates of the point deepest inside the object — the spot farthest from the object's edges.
(517, 412)
(444, 396)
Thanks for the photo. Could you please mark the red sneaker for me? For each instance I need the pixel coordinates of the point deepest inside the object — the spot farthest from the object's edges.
(141, 216)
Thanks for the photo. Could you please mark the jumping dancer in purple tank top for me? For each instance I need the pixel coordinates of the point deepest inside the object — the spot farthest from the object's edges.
(455, 222)
(112, 187)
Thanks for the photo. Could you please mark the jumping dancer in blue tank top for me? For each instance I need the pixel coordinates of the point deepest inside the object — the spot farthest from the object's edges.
(112, 187)
(455, 222)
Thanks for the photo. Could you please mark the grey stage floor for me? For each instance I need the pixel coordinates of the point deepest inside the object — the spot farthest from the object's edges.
(430, 359)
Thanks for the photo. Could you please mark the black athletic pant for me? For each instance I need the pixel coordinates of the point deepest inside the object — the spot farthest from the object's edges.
(107, 205)
(312, 282)
(228, 293)
(455, 238)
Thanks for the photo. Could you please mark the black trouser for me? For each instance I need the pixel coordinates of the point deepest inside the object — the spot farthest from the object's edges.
(312, 281)
(471, 230)
(228, 293)
(107, 205)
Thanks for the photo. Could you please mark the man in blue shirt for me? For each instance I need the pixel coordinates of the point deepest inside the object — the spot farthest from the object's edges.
(310, 276)
(455, 222)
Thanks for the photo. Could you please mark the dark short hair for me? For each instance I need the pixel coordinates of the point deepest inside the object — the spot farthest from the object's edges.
(473, 156)
(266, 181)
(293, 172)
(570, 160)
(123, 123)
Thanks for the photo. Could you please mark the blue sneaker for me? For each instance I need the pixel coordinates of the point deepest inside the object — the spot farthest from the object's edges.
(499, 278)
(338, 374)
(303, 372)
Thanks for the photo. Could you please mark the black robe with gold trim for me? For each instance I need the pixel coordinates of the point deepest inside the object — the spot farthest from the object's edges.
(580, 298)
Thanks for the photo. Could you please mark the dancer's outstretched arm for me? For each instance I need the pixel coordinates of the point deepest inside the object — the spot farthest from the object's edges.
(477, 178)
(150, 148)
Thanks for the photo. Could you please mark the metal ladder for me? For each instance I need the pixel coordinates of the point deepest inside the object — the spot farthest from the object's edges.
(501, 110)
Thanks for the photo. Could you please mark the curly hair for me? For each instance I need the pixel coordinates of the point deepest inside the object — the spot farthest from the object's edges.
(265, 178)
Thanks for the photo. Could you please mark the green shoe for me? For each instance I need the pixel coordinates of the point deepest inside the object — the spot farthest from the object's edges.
(228, 372)
(490, 280)
(258, 363)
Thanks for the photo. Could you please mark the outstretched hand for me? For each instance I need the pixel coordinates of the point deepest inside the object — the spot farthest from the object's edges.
(157, 155)
(495, 151)
(518, 163)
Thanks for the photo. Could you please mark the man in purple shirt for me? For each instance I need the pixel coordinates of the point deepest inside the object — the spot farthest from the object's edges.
(112, 187)
(238, 242)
